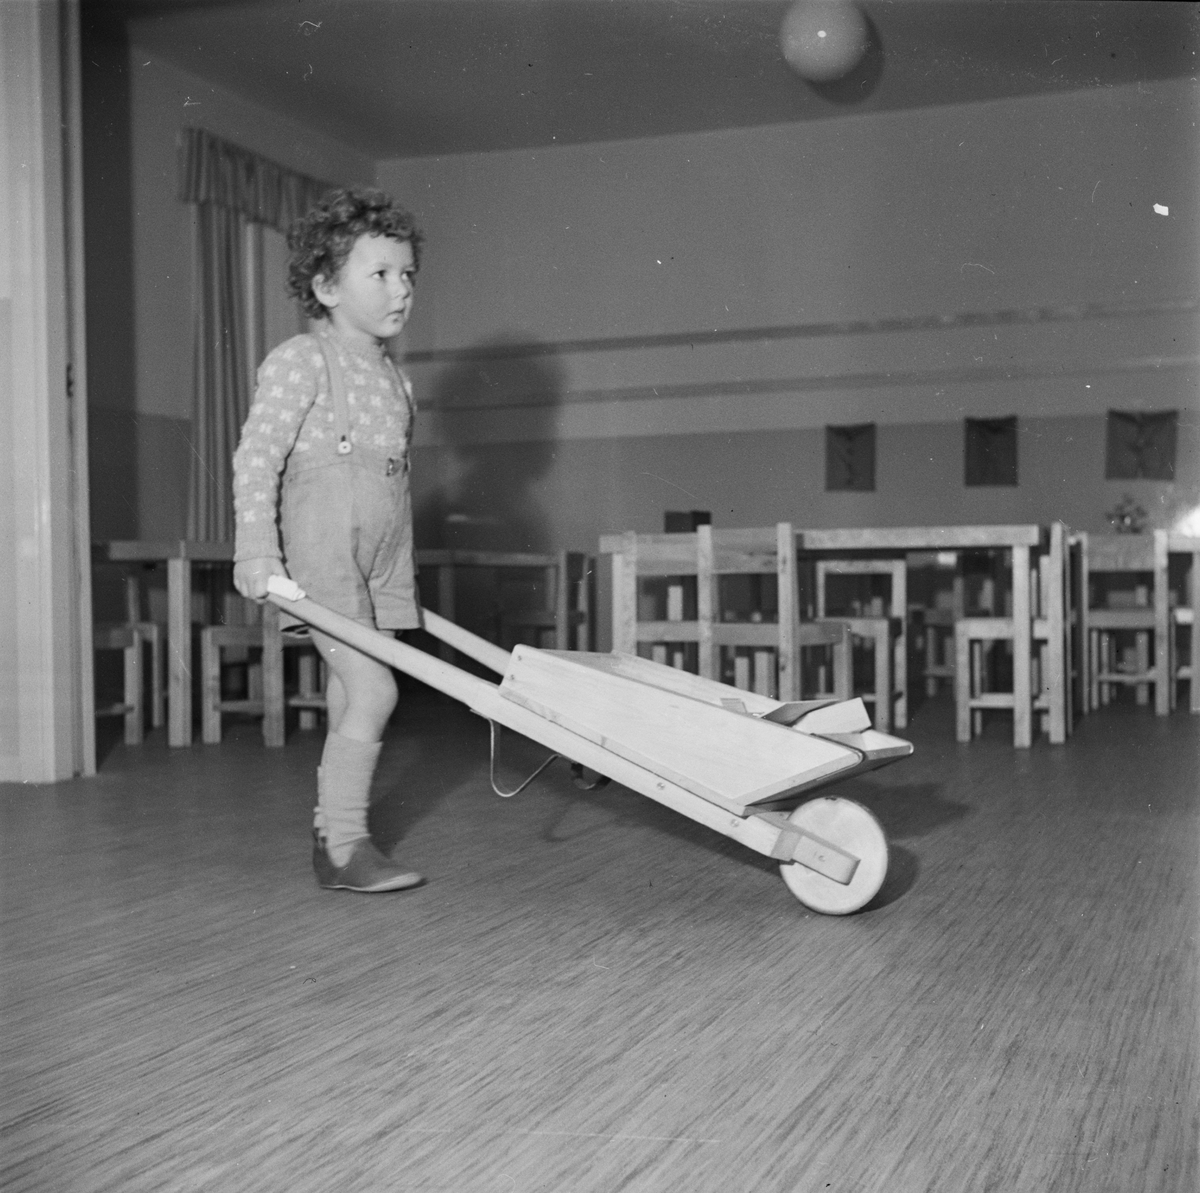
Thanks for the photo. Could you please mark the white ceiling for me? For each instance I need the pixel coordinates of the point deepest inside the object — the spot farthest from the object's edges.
(396, 78)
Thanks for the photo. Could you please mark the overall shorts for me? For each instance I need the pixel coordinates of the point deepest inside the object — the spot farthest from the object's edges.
(346, 524)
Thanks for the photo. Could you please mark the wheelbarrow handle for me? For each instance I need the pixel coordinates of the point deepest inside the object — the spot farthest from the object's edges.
(287, 594)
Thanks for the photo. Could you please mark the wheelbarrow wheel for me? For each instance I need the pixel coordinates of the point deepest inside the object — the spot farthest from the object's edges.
(852, 829)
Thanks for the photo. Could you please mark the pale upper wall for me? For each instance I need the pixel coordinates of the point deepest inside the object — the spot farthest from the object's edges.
(1032, 202)
(1043, 199)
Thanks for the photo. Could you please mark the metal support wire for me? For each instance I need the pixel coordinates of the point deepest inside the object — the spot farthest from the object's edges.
(516, 791)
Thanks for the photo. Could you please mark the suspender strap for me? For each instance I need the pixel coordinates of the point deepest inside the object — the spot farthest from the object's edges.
(337, 389)
(405, 389)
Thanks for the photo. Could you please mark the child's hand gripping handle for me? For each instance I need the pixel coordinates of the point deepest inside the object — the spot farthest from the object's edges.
(289, 596)
(285, 587)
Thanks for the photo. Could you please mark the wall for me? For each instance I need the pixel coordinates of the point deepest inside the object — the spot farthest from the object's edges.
(632, 302)
(139, 265)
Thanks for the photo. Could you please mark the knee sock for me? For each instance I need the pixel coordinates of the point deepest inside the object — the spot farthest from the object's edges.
(343, 793)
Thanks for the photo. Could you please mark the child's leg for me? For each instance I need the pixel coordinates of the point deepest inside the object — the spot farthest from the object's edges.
(361, 696)
(361, 692)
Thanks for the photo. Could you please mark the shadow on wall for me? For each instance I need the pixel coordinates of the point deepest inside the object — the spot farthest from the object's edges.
(485, 496)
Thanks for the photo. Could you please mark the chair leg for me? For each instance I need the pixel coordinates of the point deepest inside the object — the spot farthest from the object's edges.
(273, 725)
(962, 687)
(307, 667)
(134, 717)
(1093, 652)
(764, 672)
(1143, 665)
(210, 690)
(152, 635)
(254, 680)
(1172, 664)
(979, 682)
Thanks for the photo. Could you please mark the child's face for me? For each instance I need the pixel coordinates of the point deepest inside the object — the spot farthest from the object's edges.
(371, 297)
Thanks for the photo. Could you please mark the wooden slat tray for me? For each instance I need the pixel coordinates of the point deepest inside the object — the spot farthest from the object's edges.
(727, 757)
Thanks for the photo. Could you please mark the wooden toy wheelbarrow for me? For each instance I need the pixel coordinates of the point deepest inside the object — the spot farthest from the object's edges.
(729, 759)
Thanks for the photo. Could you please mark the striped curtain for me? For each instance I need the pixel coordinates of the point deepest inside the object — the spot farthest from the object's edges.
(229, 188)
(220, 391)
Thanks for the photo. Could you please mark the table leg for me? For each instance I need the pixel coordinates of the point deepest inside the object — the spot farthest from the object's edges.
(1022, 650)
(179, 652)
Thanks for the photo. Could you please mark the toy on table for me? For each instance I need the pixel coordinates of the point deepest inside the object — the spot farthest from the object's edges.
(726, 758)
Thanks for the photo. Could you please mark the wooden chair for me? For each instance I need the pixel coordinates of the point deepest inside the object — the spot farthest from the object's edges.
(266, 689)
(883, 626)
(214, 640)
(1184, 619)
(668, 606)
(1055, 668)
(153, 634)
(935, 602)
(127, 639)
(981, 642)
(235, 639)
(1126, 599)
(309, 696)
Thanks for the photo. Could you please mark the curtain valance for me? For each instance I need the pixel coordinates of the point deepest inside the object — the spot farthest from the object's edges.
(215, 171)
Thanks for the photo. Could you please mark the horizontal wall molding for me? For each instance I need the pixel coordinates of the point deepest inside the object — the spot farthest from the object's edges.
(897, 379)
(1081, 396)
(1072, 313)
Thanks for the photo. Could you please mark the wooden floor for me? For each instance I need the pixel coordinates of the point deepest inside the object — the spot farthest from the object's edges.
(594, 994)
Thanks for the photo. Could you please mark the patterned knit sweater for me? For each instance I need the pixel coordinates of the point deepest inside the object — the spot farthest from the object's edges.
(292, 415)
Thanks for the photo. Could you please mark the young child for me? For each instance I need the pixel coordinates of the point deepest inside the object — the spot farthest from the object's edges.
(333, 417)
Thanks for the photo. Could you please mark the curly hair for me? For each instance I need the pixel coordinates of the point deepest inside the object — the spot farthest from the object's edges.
(321, 241)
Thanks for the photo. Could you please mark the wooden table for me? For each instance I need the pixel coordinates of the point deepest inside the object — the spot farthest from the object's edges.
(1019, 539)
(179, 555)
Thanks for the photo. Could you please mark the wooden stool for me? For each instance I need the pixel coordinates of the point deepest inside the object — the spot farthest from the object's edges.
(309, 697)
(971, 696)
(939, 647)
(834, 637)
(884, 694)
(128, 640)
(887, 631)
(1147, 618)
(154, 637)
(213, 640)
(934, 608)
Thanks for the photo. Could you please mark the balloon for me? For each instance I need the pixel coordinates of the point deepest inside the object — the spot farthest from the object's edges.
(823, 40)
